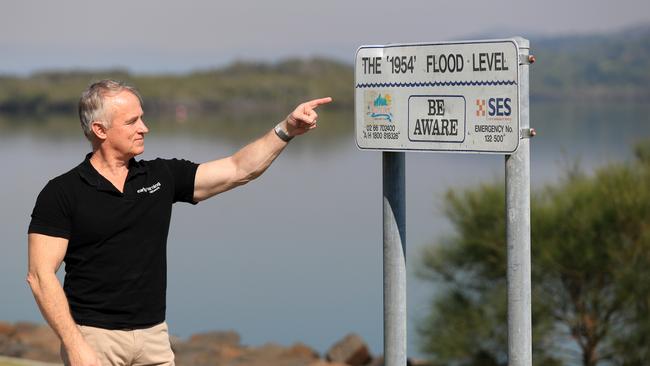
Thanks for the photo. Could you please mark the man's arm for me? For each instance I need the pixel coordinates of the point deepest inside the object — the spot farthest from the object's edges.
(251, 161)
(45, 256)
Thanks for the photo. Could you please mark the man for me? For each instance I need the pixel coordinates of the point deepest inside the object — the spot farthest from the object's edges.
(108, 220)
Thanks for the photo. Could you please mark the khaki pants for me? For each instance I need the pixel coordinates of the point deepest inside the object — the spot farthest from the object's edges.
(136, 347)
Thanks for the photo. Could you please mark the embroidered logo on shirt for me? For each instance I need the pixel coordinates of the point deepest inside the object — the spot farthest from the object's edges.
(151, 189)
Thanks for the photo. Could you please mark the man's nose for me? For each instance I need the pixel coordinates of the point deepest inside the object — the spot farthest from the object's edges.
(143, 127)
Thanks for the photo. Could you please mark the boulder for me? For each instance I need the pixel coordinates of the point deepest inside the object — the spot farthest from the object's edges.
(204, 349)
(39, 341)
(6, 328)
(302, 351)
(277, 355)
(268, 354)
(228, 352)
(41, 336)
(325, 363)
(9, 347)
(351, 350)
(211, 339)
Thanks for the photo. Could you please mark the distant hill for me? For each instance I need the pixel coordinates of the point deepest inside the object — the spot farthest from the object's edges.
(584, 67)
(242, 87)
(610, 66)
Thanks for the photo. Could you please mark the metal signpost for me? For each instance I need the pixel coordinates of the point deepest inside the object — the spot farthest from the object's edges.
(469, 97)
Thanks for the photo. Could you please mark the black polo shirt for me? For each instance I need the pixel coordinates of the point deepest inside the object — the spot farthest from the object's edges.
(116, 260)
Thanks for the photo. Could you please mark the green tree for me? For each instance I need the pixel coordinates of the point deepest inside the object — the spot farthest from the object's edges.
(590, 272)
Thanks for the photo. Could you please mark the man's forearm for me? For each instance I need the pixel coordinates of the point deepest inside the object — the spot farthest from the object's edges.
(54, 306)
(240, 168)
(253, 159)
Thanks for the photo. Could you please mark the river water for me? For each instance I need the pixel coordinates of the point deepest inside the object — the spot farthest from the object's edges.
(297, 254)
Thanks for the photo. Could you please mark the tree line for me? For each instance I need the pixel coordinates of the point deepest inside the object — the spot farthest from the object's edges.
(590, 270)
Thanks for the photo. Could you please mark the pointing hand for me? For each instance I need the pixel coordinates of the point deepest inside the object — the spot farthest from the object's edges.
(304, 117)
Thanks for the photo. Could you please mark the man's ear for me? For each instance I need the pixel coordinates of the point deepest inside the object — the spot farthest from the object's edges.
(99, 129)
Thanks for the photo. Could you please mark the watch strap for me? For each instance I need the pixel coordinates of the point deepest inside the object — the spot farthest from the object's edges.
(279, 131)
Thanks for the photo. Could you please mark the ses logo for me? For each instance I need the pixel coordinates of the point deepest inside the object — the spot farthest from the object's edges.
(495, 108)
(379, 107)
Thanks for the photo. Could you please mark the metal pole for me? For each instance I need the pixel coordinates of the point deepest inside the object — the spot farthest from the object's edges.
(394, 258)
(518, 229)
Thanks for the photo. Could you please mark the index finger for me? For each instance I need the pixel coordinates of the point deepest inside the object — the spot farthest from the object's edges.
(316, 102)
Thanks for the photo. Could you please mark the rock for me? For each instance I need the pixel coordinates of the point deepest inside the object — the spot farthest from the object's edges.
(40, 341)
(260, 355)
(204, 349)
(325, 363)
(351, 350)
(277, 355)
(211, 339)
(301, 350)
(27, 340)
(6, 329)
(197, 358)
(9, 347)
(39, 354)
(228, 352)
(24, 327)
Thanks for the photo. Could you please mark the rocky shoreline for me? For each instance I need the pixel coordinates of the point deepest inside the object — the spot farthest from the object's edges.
(38, 342)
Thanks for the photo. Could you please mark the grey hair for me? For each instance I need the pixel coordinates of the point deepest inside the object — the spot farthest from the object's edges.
(91, 103)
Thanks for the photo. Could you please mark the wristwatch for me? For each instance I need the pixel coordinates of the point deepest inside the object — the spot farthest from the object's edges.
(281, 133)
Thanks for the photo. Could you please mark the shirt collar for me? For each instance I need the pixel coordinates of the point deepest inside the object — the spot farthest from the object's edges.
(92, 176)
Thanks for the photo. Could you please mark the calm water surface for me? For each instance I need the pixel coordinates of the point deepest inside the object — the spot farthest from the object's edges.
(296, 255)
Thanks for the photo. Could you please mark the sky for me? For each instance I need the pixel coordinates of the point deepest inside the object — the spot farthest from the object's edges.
(149, 36)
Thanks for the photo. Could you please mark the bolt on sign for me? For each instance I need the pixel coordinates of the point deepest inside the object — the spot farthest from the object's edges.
(452, 96)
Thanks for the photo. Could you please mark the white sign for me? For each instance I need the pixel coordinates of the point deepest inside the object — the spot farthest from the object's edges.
(454, 96)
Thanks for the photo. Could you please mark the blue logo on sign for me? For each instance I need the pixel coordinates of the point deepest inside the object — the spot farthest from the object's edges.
(381, 108)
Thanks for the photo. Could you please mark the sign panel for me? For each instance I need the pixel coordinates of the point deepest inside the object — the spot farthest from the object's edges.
(453, 96)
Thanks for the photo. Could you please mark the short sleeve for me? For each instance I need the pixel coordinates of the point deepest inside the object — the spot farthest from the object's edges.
(52, 212)
(183, 174)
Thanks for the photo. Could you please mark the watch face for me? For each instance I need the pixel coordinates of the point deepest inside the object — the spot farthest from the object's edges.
(281, 134)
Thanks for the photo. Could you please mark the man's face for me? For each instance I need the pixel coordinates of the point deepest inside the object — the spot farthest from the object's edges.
(127, 130)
